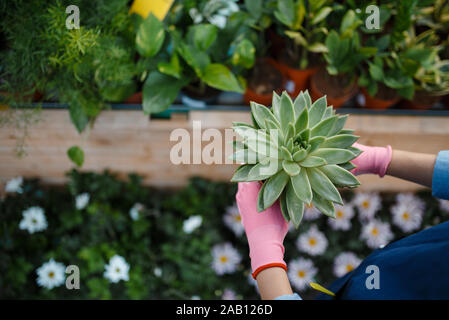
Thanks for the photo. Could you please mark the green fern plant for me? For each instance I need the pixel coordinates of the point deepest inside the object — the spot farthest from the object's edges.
(300, 150)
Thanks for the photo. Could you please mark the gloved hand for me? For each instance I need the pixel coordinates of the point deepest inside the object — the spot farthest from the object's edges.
(265, 230)
(373, 160)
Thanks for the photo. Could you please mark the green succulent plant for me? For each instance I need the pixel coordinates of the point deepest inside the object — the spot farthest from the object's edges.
(300, 151)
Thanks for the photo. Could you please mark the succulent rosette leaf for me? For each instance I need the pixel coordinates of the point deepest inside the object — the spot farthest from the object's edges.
(300, 151)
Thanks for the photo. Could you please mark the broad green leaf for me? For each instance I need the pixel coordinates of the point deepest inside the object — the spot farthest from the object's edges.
(339, 176)
(341, 141)
(150, 36)
(172, 68)
(301, 185)
(262, 114)
(295, 206)
(311, 162)
(220, 77)
(244, 54)
(255, 7)
(76, 154)
(286, 11)
(194, 57)
(204, 35)
(325, 206)
(321, 15)
(241, 174)
(292, 168)
(160, 91)
(321, 184)
(317, 111)
(78, 116)
(119, 92)
(272, 189)
(324, 127)
(334, 156)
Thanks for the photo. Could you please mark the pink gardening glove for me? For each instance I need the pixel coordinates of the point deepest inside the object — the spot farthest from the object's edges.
(265, 230)
(373, 160)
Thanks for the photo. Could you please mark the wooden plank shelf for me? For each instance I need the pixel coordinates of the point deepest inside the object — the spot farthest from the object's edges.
(125, 141)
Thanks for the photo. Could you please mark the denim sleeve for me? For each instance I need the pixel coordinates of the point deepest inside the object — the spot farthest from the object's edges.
(294, 296)
(440, 179)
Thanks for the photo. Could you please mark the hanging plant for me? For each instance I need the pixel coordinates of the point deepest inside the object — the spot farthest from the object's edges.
(300, 151)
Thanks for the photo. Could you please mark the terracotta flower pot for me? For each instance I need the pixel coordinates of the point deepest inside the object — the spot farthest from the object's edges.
(136, 98)
(377, 103)
(265, 99)
(319, 87)
(300, 78)
(422, 100)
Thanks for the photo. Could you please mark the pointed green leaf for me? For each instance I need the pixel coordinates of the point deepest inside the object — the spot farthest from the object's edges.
(302, 187)
(265, 169)
(292, 168)
(287, 112)
(76, 154)
(290, 133)
(334, 155)
(355, 151)
(311, 162)
(295, 206)
(317, 111)
(241, 174)
(305, 135)
(276, 105)
(262, 114)
(325, 206)
(341, 141)
(348, 166)
(299, 105)
(284, 210)
(339, 176)
(299, 155)
(273, 188)
(324, 127)
(246, 156)
(338, 125)
(302, 122)
(308, 99)
(285, 154)
(316, 142)
(150, 36)
(321, 184)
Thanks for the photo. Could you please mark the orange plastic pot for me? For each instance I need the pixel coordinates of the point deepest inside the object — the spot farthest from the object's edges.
(301, 78)
(421, 101)
(265, 99)
(376, 103)
(336, 102)
(136, 98)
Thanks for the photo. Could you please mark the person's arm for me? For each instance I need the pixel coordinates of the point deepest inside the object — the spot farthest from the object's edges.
(273, 283)
(410, 166)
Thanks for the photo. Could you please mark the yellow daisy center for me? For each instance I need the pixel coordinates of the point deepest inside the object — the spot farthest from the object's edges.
(223, 259)
(238, 218)
(340, 214)
(374, 231)
(405, 216)
(51, 274)
(117, 270)
(309, 205)
(301, 273)
(349, 267)
(312, 241)
(365, 204)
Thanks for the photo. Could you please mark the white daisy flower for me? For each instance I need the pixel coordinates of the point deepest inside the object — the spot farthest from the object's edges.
(192, 223)
(225, 258)
(14, 185)
(407, 215)
(444, 205)
(411, 199)
(301, 272)
(135, 211)
(117, 269)
(312, 242)
(367, 204)
(229, 294)
(33, 220)
(345, 262)
(311, 212)
(233, 220)
(51, 274)
(376, 233)
(82, 200)
(216, 12)
(343, 216)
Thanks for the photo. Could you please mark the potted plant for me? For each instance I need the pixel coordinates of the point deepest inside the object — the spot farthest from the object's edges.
(338, 81)
(303, 23)
(300, 151)
(189, 57)
(264, 76)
